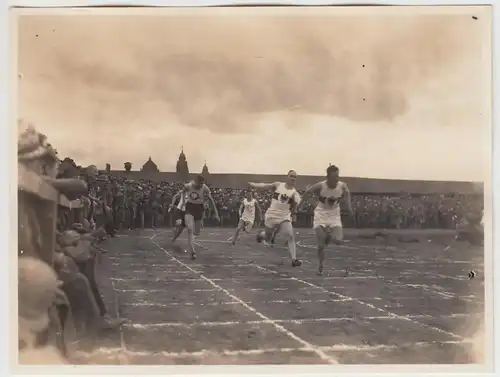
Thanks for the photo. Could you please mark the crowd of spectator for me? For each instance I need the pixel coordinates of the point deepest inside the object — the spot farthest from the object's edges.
(124, 203)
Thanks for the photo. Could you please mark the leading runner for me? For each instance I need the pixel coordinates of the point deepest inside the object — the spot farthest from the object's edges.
(327, 217)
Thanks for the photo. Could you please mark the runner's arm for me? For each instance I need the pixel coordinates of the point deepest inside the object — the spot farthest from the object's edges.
(212, 201)
(294, 205)
(240, 211)
(264, 186)
(347, 199)
(174, 199)
(313, 189)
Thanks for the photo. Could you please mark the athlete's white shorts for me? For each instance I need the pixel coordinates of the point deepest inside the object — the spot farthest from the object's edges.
(327, 220)
(248, 222)
(272, 220)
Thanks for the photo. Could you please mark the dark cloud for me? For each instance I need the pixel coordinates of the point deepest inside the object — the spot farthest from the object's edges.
(216, 74)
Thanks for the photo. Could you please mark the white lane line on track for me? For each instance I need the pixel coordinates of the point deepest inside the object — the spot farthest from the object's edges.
(186, 280)
(145, 272)
(153, 326)
(235, 280)
(440, 276)
(277, 302)
(171, 304)
(393, 315)
(280, 328)
(430, 289)
(251, 289)
(131, 235)
(203, 240)
(333, 248)
(207, 353)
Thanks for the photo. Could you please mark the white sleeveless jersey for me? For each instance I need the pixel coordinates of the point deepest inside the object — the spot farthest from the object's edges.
(182, 202)
(195, 196)
(282, 200)
(248, 209)
(329, 199)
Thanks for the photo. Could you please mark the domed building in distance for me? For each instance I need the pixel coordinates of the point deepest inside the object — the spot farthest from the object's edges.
(150, 167)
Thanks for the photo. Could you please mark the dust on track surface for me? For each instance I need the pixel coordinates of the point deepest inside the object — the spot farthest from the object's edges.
(378, 303)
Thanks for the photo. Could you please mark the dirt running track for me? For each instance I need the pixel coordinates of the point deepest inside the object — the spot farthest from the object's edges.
(378, 303)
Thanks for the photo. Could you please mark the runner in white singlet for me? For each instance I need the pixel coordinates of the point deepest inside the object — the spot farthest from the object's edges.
(247, 211)
(327, 217)
(281, 212)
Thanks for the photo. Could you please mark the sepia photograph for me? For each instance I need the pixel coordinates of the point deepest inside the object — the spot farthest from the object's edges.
(254, 185)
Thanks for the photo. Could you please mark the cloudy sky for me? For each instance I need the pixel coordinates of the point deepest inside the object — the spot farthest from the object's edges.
(379, 92)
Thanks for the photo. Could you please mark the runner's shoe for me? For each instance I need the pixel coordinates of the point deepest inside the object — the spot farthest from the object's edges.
(296, 263)
(320, 270)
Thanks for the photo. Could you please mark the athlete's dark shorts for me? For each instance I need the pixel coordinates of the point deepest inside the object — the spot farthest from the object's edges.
(195, 210)
(179, 216)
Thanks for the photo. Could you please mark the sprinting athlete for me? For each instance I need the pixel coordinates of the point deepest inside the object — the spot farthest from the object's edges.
(196, 193)
(247, 211)
(281, 212)
(327, 217)
(179, 213)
